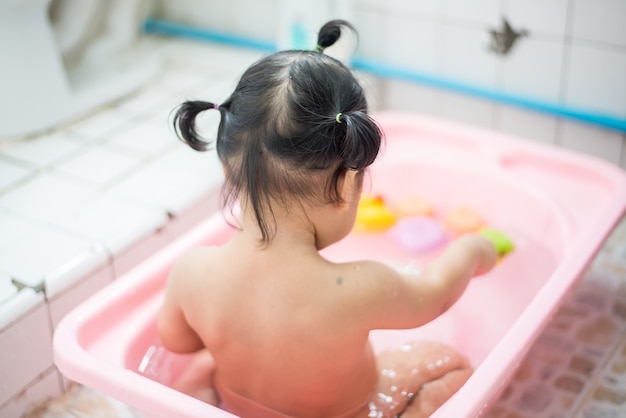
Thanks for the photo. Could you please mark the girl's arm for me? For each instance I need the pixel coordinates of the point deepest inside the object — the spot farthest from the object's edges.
(408, 301)
(174, 330)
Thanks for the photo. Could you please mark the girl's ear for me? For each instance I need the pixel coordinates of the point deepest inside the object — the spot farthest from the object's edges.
(350, 184)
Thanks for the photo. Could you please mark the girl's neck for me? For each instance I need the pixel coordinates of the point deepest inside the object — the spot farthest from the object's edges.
(288, 230)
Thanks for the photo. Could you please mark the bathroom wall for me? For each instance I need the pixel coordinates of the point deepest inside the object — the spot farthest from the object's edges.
(573, 55)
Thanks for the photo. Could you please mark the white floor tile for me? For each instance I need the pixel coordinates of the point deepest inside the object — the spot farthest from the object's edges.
(7, 289)
(46, 197)
(146, 102)
(147, 138)
(32, 258)
(45, 150)
(14, 229)
(113, 220)
(100, 126)
(10, 174)
(173, 187)
(99, 165)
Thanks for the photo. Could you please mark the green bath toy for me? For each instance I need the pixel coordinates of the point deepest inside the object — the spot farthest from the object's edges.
(503, 243)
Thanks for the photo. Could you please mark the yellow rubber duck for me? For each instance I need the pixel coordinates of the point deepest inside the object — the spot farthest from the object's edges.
(372, 215)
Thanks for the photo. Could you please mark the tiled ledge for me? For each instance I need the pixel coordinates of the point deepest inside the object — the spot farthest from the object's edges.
(83, 204)
(78, 198)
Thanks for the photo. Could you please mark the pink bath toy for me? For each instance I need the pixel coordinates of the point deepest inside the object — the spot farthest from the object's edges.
(418, 233)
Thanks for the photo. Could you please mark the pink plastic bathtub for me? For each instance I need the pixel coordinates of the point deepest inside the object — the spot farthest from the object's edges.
(557, 207)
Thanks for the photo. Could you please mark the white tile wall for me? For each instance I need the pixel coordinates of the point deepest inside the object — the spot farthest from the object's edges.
(464, 109)
(256, 19)
(402, 95)
(478, 12)
(539, 17)
(368, 23)
(76, 270)
(420, 8)
(466, 57)
(22, 302)
(62, 299)
(596, 79)
(533, 69)
(411, 44)
(603, 143)
(203, 13)
(526, 124)
(600, 21)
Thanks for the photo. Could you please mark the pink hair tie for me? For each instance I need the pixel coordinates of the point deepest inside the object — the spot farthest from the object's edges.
(216, 106)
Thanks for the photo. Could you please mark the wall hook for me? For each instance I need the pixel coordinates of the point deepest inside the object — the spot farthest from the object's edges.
(502, 40)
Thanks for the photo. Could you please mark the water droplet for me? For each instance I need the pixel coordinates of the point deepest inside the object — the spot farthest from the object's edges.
(406, 347)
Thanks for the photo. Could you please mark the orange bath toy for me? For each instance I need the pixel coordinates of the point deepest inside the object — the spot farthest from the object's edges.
(462, 220)
(372, 215)
(413, 206)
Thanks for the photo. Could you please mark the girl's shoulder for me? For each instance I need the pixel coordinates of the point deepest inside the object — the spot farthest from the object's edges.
(194, 261)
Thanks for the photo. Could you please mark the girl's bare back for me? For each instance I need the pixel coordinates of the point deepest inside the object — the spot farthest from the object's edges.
(297, 327)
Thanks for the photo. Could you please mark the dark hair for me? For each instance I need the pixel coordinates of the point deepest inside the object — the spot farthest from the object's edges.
(294, 117)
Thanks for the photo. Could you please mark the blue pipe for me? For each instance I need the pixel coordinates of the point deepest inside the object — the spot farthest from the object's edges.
(162, 27)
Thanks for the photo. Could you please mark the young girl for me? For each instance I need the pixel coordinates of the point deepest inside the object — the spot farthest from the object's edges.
(287, 329)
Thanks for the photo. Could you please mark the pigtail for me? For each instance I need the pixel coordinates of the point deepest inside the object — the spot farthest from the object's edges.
(330, 33)
(184, 123)
(361, 141)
